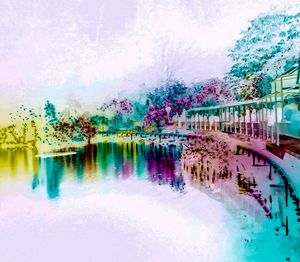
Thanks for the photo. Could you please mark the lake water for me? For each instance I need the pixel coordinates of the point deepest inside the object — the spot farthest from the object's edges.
(127, 202)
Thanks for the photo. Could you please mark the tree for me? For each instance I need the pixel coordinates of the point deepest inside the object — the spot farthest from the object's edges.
(99, 121)
(212, 92)
(86, 129)
(156, 117)
(50, 113)
(139, 111)
(72, 128)
(173, 93)
(265, 50)
(115, 123)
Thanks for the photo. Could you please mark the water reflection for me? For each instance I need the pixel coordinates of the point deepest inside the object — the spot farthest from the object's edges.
(243, 181)
(253, 185)
(17, 163)
(54, 175)
(92, 163)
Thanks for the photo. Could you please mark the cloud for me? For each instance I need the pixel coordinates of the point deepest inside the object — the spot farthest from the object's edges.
(110, 47)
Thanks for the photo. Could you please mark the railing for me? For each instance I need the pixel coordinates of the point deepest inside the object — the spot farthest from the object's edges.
(160, 135)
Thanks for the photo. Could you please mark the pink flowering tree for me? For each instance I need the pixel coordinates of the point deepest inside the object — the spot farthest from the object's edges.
(156, 117)
(179, 105)
(213, 90)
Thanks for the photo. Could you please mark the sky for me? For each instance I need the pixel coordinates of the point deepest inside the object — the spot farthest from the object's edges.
(91, 50)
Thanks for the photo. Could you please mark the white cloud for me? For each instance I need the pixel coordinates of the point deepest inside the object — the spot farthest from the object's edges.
(44, 44)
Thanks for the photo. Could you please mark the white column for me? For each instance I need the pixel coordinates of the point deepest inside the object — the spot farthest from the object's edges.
(229, 119)
(239, 118)
(246, 127)
(225, 119)
(219, 116)
(263, 121)
(209, 122)
(282, 100)
(216, 124)
(250, 120)
(272, 126)
(276, 116)
(234, 119)
(268, 115)
(199, 116)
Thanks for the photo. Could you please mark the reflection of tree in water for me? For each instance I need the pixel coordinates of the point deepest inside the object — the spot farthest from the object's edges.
(54, 174)
(14, 159)
(160, 162)
(140, 161)
(121, 159)
(178, 183)
(265, 187)
(127, 165)
(90, 164)
(36, 178)
(161, 167)
(206, 173)
(207, 159)
(118, 159)
(104, 156)
(18, 162)
(85, 162)
(79, 163)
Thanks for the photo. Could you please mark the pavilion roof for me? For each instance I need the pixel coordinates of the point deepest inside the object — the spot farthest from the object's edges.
(294, 71)
(230, 104)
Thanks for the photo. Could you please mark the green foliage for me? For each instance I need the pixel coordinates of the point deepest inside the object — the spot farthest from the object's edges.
(116, 123)
(72, 128)
(210, 102)
(99, 121)
(265, 50)
(139, 111)
(175, 94)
